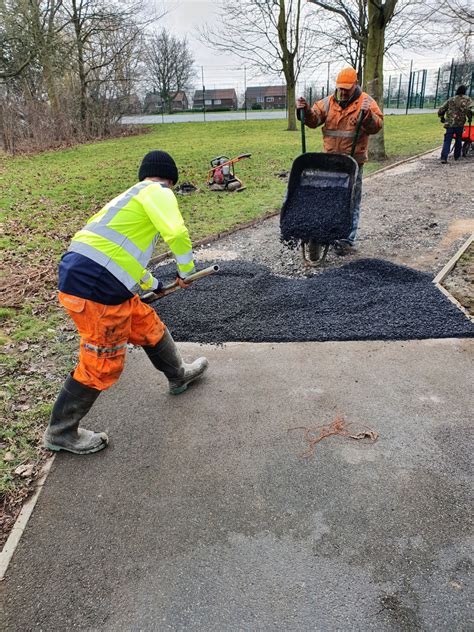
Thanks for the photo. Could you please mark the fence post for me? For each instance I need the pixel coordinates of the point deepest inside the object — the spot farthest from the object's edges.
(399, 89)
(454, 77)
(450, 78)
(472, 82)
(327, 91)
(203, 93)
(423, 88)
(245, 91)
(409, 88)
(418, 88)
(437, 87)
(388, 93)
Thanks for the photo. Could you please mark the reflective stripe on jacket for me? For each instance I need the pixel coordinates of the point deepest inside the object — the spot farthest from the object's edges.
(122, 235)
(340, 125)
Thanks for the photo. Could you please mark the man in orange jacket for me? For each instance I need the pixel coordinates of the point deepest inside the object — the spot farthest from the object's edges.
(339, 114)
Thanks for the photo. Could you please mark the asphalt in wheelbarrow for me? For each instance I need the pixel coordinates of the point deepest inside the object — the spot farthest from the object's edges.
(317, 213)
(369, 299)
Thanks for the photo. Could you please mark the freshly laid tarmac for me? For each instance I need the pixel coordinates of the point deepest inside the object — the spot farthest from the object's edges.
(201, 515)
(368, 299)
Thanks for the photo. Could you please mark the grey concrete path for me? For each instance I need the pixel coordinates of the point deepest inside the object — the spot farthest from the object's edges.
(201, 515)
(252, 115)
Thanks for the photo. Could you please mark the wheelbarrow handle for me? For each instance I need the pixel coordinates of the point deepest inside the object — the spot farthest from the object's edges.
(357, 131)
(303, 133)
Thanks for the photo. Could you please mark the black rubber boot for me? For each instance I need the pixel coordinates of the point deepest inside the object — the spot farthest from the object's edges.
(63, 432)
(166, 357)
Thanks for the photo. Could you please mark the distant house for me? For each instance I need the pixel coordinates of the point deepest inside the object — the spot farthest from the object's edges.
(130, 104)
(215, 99)
(180, 101)
(153, 103)
(268, 97)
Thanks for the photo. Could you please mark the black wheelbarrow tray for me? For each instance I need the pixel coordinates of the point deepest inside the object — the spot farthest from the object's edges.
(319, 202)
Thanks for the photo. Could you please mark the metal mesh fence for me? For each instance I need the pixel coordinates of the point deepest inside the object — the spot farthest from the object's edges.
(237, 96)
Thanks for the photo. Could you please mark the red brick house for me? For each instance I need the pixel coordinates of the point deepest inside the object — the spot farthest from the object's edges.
(180, 101)
(216, 99)
(268, 97)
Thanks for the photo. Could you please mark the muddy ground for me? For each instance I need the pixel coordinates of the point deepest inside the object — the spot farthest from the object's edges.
(417, 214)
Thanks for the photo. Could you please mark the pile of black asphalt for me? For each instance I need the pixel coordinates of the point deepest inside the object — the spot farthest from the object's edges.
(369, 299)
(319, 213)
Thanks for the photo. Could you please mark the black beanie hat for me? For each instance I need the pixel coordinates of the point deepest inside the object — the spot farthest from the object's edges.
(158, 164)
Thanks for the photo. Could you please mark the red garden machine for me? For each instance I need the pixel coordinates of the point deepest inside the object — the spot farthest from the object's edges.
(221, 176)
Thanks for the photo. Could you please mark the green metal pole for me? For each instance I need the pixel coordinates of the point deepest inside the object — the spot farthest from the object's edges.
(399, 89)
(423, 88)
(437, 87)
(409, 88)
(454, 78)
(450, 78)
(416, 89)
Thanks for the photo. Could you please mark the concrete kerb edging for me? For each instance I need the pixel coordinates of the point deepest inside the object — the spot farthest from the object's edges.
(447, 269)
(25, 513)
(259, 220)
(22, 520)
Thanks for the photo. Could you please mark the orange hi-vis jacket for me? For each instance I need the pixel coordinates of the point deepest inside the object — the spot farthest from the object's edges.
(339, 125)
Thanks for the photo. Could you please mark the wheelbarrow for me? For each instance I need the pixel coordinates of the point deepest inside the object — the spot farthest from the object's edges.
(320, 181)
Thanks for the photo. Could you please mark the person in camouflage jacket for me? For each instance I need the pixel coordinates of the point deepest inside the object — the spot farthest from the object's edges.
(453, 114)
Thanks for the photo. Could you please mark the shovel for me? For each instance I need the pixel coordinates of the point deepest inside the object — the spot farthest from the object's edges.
(149, 297)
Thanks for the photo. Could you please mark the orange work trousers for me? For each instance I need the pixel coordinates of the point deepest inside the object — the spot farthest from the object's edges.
(105, 331)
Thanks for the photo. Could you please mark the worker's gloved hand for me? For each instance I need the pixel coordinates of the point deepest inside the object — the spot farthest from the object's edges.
(365, 105)
(301, 103)
(469, 116)
(442, 119)
(182, 283)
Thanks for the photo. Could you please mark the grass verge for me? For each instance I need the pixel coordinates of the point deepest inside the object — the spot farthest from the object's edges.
(47, 197)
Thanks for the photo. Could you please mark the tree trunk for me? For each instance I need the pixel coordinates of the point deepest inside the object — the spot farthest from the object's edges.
(290, 99)
(373, 70)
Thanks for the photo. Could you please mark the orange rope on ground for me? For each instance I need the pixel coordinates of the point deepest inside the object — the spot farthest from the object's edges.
(336, 427)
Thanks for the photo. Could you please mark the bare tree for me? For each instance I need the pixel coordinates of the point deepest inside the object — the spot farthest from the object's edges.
(94, 24)
(272, 35)
(452, 21)
(170, 65)
(345, 24)
(68, 67)
(367, 22)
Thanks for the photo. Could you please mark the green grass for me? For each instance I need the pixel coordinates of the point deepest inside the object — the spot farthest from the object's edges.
(49, 196)
(45, 198)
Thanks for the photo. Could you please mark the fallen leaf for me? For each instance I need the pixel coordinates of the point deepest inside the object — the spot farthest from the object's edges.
(9, 456)
(24, 470)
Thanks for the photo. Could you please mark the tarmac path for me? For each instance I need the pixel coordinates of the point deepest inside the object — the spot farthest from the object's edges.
(201, 515)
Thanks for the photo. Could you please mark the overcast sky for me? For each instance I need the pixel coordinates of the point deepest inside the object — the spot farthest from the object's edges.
(183, 18)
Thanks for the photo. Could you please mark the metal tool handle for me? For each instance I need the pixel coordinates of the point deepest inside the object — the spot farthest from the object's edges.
(303, 136)
(172, 287)
(357, 131)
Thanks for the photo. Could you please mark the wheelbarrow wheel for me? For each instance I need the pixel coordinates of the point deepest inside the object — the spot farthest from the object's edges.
(314, 253)
(315, 250)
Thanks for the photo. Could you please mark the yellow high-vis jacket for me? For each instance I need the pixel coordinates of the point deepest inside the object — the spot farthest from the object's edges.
(121, 237)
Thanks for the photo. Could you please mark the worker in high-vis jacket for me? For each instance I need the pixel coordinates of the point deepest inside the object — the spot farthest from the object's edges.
(338, 114)
(99, 277)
